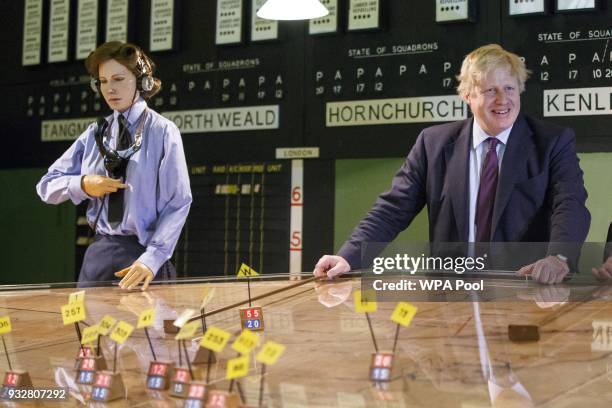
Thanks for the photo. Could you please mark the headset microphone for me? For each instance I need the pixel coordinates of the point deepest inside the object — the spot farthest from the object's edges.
(113, 162)
(99, 133)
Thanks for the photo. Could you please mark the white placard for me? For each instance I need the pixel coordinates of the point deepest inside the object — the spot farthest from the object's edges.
(261, 29)
(117, 20)
(327, 24)
(364, 14)
(297, 152)
(525, 7)
(229, 22)
(224, 120)
(575, 4)
(63, 129)
(59, 23)
(421, 109)
(32, 32)
(87, 28)
(578, 101)
(452, 10)
(162, 25)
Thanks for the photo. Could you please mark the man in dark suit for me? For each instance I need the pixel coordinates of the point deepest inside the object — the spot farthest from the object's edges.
(500, 176)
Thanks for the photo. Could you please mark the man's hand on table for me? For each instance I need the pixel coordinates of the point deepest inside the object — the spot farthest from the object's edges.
(604, 272)
(549, 270)
(331, 266)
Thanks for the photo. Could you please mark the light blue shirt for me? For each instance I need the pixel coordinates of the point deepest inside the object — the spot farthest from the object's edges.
(158, 196)
(478, 152)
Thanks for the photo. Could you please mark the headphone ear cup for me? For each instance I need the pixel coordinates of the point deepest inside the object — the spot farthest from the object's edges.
(94, 84)
(146, 83)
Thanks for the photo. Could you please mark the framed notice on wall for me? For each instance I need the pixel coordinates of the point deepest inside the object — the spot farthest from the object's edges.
(117, 12)
(262, 29)
(161, 35)
(327, 24)
(363, 15)
(455, 11)
(229, 22)
(59, 24)
(32, 32)
(525, 8)
(576, 5)
(87, 28)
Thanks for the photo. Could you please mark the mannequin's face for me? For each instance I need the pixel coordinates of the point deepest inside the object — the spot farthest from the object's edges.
(118, 85)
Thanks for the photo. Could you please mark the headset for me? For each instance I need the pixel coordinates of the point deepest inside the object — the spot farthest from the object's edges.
(115, 162)
(144, 78)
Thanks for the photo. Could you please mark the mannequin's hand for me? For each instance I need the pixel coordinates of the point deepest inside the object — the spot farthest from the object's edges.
(133, 275)
(97, 186)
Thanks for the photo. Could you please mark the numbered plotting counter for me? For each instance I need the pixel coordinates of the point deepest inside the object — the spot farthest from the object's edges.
(252, 318)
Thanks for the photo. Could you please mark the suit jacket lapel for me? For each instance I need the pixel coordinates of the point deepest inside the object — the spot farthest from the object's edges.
(457, 156)
(515, 157)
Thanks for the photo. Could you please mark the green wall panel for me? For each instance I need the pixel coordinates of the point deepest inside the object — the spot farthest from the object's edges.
(37, 240)
(359, 181)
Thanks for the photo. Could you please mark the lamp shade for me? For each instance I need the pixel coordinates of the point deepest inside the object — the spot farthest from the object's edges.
(292, 10)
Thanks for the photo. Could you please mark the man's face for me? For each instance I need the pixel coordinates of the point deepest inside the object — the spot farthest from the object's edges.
(118, 85)
(495, 101)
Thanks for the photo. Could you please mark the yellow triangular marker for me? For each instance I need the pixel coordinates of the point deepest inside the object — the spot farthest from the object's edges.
(237, 367)
(403, 313)
(75, 297)
(270, 353)
(121, 332)
(146, 318)
(5, 324)
(106, 324)
(90, 334)
(246, 270)
(245, 342)
(73, 312)
(215, 339)
(365, 302)
(188, 330)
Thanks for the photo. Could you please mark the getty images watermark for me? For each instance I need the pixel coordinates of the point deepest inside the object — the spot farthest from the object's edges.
(406, 264)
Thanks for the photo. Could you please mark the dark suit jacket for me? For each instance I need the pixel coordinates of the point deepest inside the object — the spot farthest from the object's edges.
(540, 195)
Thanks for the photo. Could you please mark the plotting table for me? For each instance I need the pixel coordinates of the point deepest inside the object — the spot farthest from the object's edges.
(446, 357)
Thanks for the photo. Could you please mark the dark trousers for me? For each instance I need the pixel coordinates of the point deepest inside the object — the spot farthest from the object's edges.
(111, 253)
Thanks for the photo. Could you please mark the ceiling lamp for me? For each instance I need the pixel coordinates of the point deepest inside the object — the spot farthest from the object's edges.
(292, 10)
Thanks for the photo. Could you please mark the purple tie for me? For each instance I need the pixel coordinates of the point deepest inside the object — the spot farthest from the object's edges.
(486, 193)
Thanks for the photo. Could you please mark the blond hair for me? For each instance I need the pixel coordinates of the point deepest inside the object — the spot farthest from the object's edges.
(478, 63)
